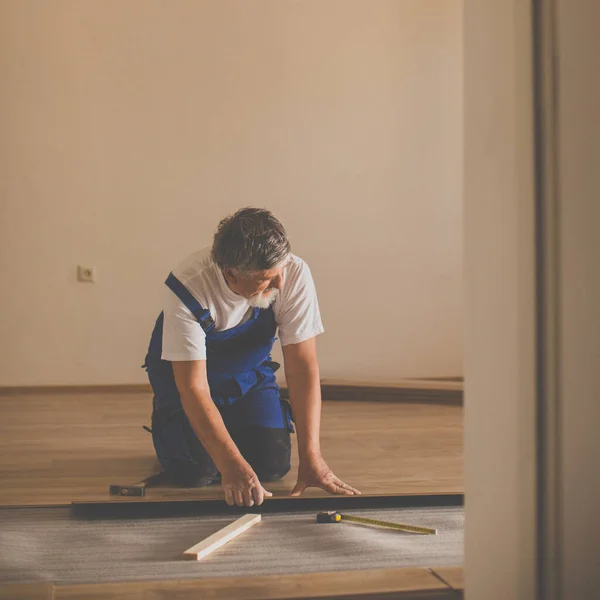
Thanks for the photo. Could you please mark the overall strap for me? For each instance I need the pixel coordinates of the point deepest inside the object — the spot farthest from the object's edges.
(202, 315)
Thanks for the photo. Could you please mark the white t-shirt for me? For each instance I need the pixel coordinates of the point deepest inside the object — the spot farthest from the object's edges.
(296, 308)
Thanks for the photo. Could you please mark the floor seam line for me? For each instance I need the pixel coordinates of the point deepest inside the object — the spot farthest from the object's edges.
(430, 569)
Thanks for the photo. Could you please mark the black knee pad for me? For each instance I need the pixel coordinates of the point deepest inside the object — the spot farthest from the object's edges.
(267, 450)
(270, 473)
(191, 475)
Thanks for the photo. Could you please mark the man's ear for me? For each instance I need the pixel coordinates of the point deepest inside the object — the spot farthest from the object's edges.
(229, 275)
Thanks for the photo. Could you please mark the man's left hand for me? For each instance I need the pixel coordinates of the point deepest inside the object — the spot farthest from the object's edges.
(314, 472)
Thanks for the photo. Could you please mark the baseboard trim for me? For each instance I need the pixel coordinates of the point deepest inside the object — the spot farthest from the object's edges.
(413, 391)
(407, 390)
(400, 393)
(130, 388)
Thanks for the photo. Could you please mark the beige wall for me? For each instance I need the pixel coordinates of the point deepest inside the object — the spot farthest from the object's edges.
(579, 302)
(531, 418)
(129, 127)
(500, 308)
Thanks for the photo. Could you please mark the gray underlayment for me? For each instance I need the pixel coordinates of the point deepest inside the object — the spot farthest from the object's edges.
(51, 545)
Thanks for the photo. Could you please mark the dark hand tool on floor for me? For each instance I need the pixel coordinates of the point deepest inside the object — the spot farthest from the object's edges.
(137, 489)
(332, 516)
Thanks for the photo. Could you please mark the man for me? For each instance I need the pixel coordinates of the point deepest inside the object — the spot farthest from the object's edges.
(217, 412)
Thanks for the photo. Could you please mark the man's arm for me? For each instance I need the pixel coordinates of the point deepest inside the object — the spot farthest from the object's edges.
(304, 385)
(240, 483)
(302, 376)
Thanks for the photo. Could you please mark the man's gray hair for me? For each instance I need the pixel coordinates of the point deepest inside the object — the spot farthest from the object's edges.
(250, 240)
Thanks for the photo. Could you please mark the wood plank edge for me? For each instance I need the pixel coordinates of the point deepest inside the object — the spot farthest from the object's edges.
(452, 576)
(164, 499)
(184, 498)
(34, 505)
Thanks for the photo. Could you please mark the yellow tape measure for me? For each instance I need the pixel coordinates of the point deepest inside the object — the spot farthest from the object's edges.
(399, 526)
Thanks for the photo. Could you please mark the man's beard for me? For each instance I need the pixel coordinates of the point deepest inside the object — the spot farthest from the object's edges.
(263, 300)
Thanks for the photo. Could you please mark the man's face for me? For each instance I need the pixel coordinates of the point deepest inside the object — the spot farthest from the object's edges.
(259, 288)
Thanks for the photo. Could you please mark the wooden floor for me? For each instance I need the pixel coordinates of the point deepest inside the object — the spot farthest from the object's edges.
(56, 449)
(404, 584)
(60, 448)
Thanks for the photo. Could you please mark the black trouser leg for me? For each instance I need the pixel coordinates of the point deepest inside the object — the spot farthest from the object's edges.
(181, 455)
(267, 450)
(188, 464)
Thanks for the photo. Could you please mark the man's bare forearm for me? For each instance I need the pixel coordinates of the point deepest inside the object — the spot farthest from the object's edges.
(305, 397)
(208, 425)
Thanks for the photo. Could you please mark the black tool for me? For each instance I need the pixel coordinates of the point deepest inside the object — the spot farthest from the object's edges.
(137, 489)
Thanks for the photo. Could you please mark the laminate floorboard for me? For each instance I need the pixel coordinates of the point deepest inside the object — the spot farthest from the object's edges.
(27, 591)
(59, 448)
(388, 583)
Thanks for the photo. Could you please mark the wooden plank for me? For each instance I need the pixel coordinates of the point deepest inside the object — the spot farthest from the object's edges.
(221, 537)
(453, 576)
(27, 591)
(359, 584)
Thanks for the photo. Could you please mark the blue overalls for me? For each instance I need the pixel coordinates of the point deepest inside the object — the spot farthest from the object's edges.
(241, 377)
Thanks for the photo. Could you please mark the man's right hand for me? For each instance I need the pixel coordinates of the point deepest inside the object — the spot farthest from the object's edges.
(239, 481)
(241, 485)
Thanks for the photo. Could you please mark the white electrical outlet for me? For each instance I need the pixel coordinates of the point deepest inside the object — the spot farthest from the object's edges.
(87, 274)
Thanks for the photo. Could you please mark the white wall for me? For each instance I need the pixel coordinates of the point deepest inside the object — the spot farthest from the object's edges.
(130, 127)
